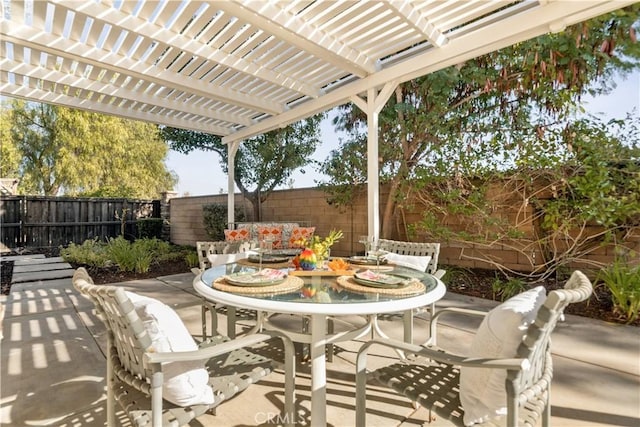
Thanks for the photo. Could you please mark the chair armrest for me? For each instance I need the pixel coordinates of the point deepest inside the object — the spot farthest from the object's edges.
(207, 352)
(433, 324)
(439, 355)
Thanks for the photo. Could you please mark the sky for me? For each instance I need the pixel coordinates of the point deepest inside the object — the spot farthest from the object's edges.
(199, 173)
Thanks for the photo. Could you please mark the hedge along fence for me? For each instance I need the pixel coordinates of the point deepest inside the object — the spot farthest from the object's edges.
(520, 253)
(39, 222)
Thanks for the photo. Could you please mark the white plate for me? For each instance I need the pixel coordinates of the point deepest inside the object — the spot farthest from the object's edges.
(255, 279)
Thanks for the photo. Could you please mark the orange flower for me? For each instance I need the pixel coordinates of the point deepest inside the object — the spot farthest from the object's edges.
(338, 264)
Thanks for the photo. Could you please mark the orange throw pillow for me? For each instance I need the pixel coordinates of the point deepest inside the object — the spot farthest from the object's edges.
(240, 235)
(300, 233)
(274, 233)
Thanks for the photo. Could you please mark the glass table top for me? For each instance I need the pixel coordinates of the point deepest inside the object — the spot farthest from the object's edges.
(324, 288)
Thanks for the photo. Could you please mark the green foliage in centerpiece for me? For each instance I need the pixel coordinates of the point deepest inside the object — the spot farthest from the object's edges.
(321, 247)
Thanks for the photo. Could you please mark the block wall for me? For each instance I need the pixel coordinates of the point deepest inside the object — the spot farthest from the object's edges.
(305, 205)
(309, 206)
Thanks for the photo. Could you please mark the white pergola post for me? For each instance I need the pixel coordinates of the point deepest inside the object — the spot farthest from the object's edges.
(372, 106)
(232, 149)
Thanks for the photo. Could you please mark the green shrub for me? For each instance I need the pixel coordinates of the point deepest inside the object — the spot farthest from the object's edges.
(143, 260)
(456, 274)
(149, 228)
(156, 247)
(506, 290)
(214, 217)
(121, 253)
(137, 256)
(623, 281)
(90, 252)
(191, 258)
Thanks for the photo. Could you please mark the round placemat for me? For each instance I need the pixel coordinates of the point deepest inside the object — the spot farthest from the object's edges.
(414, 287)
(290, 284)
(246, 262)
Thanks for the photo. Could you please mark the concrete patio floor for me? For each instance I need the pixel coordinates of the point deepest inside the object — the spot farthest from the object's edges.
(53, 363)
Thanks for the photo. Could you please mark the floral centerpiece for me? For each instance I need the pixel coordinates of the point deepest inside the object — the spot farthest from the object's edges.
(317, 249)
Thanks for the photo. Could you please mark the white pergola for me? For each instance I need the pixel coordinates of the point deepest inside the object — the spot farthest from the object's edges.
(239, 68)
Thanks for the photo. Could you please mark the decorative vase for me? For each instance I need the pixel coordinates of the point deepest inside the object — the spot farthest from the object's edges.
(308, 260)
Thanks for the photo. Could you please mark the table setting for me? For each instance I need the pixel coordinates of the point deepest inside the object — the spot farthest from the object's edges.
(270, 271)
(263, 281)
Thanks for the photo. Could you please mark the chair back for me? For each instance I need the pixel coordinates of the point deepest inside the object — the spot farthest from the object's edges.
(414, 248)
(126, 332)
(205, 249)
(531, 386)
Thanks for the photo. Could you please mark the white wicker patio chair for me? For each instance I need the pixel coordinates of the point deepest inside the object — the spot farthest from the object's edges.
(136, 369)
(517, 380)
(205, 251)
(211, 254)
(415, 249)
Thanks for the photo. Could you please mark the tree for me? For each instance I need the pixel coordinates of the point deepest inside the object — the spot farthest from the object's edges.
(9, 155)
(262, 163)
(476, 116)
(79, 153)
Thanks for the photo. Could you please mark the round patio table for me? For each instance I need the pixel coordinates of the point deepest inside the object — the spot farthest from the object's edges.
(336, 301)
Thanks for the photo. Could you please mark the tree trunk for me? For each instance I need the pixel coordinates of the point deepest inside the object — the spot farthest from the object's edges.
(252, 196)
(388, 217)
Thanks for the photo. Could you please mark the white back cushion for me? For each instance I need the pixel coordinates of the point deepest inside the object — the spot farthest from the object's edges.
(185, 383)
(416, 262)
(482, 391)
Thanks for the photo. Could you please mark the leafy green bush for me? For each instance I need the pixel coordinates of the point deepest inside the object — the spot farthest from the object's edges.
(149, 228)
(506, 290)
(623, 281)
(191, 259)
(143, 260)
(121, 253)
(156, 247)
(137, 256)
(90, 252)
(456, 274)
(214, 217)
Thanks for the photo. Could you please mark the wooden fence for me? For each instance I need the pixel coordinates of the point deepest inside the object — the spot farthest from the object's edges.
(41, 222)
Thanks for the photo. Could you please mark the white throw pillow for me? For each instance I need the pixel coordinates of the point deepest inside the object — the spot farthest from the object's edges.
(411, 261)
(482, 391)
(185, 383)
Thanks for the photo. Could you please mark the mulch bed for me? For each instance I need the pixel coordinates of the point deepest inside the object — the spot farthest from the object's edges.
(6, 272)
(478, 283)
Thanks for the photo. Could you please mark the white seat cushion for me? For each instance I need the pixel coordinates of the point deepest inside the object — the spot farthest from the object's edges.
(416, 262)
(482, 391)
(185, 383)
